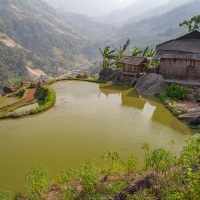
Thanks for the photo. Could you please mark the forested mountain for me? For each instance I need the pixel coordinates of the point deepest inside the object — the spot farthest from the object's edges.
(160, 28)
(50, 42)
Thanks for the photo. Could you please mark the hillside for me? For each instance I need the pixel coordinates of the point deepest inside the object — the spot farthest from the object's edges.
(51, 43)
(156, 29)
(91, 27)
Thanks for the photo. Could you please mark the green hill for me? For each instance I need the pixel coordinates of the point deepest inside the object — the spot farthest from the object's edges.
(50, 42)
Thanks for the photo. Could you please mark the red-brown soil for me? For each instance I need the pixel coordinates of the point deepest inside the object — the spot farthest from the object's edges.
(189, 102)
(29, 97)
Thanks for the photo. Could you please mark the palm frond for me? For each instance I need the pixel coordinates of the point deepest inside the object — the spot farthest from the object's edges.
(126, 45)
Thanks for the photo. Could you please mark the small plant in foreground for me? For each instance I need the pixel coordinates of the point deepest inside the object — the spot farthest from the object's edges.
(67, 176)
(131, 163)
(112, 162)
(88, 175)
(36, 180)
(172, 143)
(4, 195)
(159, 160)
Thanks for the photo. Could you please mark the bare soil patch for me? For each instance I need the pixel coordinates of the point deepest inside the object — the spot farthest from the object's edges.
(190, 101)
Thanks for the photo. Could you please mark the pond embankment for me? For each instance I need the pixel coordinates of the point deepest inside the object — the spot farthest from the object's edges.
(45, 95)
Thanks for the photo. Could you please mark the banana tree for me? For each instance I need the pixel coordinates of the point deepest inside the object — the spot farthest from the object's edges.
(136, 52)
(148, 53)
(121, 53)
(192, 24)
(107, 56)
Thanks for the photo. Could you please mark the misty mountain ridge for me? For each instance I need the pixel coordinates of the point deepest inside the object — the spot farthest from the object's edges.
(141, 10)
(92, 8)
(159, 10)
(151, 31)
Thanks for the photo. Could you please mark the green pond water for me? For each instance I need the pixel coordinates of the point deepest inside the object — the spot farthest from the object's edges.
(87, 120)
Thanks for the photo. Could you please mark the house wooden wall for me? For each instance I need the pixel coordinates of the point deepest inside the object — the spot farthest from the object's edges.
(133, 69)
(180, 68)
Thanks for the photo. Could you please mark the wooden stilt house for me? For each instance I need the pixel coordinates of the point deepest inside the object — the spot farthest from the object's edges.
(133, 66)
(180, 58)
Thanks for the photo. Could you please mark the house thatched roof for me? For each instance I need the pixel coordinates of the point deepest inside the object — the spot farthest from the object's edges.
(132, 60)
(185, 47)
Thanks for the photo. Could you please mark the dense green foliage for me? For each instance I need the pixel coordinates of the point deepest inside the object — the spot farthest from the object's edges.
(36, 180)
(176, 177)
(172, 93)
(12, 63)
(113, 57)
(192, 24)
(176, 92)
(107, 56)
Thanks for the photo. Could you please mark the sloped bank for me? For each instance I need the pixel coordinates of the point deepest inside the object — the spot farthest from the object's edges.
(44, 94)
(171, 96)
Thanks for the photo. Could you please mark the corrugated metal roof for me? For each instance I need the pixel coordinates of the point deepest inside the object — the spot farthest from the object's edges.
(191, 35)
(189, 45)
(133, 60)
(185, 47)
(177, 55)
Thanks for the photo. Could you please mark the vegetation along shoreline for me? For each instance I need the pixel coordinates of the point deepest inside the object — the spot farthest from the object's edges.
(171, 72)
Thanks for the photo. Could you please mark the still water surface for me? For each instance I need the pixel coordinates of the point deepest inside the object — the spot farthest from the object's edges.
(88, 119)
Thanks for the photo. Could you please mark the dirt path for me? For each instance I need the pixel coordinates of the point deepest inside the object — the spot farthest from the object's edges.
(29, 97)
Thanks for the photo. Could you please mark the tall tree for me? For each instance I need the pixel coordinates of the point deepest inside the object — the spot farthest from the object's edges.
(121, 53)
(107, 56)
(192, 24)
(148, 53)
(136, 52)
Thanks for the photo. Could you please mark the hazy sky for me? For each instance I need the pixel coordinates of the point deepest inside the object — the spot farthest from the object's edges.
(97, 7)
(126, 2)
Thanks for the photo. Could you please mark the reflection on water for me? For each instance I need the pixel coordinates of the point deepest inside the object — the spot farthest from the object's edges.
(87, 120)
(148, 110)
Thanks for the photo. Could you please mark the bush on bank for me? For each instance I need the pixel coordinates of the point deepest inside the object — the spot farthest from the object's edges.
(171, 93)
(177, 178)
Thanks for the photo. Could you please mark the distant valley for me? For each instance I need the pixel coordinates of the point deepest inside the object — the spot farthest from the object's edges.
(37, 40)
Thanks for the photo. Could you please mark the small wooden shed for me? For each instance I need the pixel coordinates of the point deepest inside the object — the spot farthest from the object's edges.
(133, 66)
(180, 58)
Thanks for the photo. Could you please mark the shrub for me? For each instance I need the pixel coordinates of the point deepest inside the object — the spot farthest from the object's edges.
(159, 160)
(176, 92)
(112, 162)
(88, 175)
(4, 195)
(36, 180)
